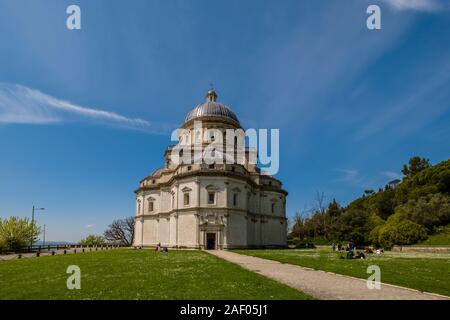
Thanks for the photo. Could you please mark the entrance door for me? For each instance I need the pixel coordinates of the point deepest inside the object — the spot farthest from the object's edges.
(210, 241)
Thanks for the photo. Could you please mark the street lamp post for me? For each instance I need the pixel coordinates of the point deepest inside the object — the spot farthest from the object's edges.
(32, 225)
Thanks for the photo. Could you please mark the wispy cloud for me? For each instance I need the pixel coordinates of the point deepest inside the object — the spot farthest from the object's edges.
(22, 105)
(89, 226)
(391, 175)
(417, 5)
(354, 178)
(350, 176)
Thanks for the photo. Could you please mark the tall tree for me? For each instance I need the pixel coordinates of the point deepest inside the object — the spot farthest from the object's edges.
(416, 164)
(334, 209)
(121, 231)
(298, 228)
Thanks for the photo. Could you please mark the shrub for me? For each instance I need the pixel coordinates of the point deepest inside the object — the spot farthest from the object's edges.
(402, 232)
(92, 240)
(17, 232)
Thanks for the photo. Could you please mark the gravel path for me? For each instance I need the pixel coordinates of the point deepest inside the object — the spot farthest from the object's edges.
(323, 285)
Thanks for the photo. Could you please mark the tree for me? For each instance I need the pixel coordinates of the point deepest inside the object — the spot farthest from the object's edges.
(416, 164)
(353, 225)
(384, 204)
(394, 183)
(403, 232)
(121, 231)
(320, 202)
(298, 228)
(93, 240)
(429, 211)
(409, 232)
(17, 232)
(334, 209)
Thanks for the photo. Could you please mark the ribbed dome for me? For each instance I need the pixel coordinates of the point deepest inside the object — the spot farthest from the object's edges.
(212, 108)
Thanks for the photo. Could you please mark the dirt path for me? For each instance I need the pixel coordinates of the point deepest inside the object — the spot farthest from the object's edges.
(321, 284)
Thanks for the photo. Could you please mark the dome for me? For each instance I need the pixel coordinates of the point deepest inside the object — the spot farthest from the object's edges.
(212, 108)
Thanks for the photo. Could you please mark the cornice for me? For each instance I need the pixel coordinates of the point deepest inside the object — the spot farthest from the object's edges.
(214, 173)
(196, 210)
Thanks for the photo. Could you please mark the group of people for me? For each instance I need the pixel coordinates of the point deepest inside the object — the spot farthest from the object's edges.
(352, 253)
(339, 247)
(161, 249)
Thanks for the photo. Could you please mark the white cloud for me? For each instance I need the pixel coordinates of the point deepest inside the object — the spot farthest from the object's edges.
(351, 176)
(89, 226)
(418, 5)
(23, 105)
(391, 175)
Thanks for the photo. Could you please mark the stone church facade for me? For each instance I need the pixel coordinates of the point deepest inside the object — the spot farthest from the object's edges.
(210, 206)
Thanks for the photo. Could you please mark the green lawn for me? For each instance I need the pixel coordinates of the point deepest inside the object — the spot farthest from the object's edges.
(422, 271)
(441, 238)
(141, 274)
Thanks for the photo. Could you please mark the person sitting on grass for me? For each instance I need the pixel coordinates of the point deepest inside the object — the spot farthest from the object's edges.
(350, 254)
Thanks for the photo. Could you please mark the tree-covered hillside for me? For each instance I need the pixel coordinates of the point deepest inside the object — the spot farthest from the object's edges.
(403, 212)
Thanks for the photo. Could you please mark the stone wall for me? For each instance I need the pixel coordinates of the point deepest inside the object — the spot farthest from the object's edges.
(421, 249)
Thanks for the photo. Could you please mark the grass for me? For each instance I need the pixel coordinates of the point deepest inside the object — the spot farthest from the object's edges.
(428, 272)
(141, 274)
(442, 238)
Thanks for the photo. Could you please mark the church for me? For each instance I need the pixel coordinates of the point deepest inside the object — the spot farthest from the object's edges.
(193, 204)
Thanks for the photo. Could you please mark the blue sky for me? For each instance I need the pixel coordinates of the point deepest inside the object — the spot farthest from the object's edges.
(85, 114)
